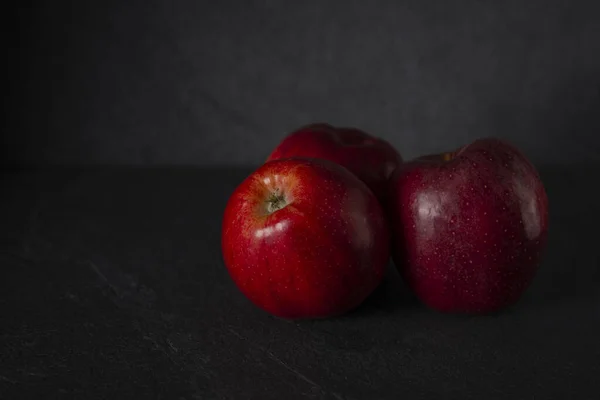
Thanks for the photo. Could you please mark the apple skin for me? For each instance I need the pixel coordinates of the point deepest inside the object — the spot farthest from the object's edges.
(320, 255)
(468, 232)
(372, 159)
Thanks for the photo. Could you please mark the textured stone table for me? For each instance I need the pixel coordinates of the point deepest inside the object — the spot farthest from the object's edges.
(112, 286)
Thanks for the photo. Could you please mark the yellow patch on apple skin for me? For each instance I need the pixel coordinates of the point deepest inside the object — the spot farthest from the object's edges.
(283, 181)
(253, 202)
(250, 219)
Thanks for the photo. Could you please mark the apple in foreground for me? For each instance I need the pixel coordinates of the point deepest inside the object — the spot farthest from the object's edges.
(372, 159)
(304, 238)
(469, 226)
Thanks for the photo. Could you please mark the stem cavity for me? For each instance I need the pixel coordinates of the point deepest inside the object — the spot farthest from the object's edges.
(276, 201)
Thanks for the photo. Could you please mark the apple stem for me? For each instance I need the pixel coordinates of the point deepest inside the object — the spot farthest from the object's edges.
(276, 201)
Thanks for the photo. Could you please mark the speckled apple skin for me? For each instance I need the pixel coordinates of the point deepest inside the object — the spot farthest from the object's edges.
(469, 232)
(319, 256)
(372, 159)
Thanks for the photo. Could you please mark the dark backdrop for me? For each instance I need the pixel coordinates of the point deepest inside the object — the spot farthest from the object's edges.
(207, 82)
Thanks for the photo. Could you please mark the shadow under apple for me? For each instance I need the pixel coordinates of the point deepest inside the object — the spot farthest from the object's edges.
(391, 295)
(569, 267)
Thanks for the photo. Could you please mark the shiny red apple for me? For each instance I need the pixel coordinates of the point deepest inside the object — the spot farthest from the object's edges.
(372, 159)
(304, 238)
(469, 226)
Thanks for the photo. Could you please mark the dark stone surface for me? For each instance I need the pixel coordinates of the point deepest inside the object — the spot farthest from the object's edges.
(112, 285)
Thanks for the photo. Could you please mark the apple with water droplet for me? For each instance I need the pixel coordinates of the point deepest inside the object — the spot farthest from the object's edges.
(304, 238)
(370, 158)
(469, 226)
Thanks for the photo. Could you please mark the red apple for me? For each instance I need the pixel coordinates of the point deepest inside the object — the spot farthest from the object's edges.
(469, 226)
(372, 159)
(304, 238)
